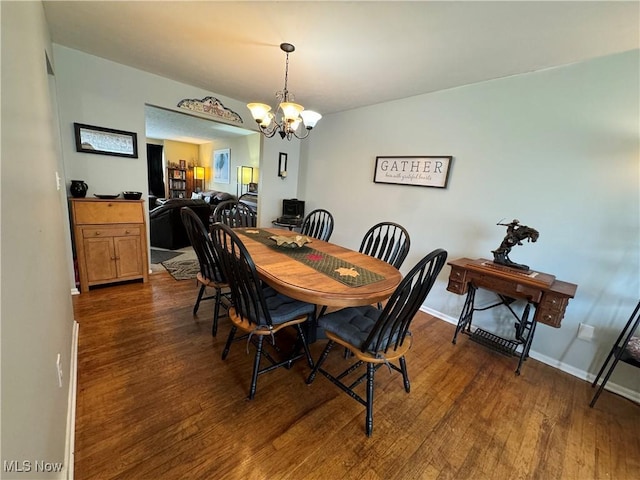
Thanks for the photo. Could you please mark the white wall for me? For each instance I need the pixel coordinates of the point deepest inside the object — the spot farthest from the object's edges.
(273, 189)
(99, 92)
(37, 314)
(557, 149)
(243, 151)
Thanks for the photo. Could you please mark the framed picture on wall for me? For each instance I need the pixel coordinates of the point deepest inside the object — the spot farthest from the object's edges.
(282, 165)
(183, 164)
(105, 141)
(425, 171)
(221, 165)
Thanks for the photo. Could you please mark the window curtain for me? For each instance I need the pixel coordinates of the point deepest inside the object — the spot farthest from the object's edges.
(155, 172)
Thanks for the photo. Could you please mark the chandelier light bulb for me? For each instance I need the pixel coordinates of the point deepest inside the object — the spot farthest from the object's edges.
(295, 124)
(291, 111)
(266, 120)
(259, 111)
(310, 118)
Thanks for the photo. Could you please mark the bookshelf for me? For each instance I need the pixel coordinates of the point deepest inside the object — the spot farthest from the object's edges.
(177, 183)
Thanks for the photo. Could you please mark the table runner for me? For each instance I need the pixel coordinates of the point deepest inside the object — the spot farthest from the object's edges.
(336, 268)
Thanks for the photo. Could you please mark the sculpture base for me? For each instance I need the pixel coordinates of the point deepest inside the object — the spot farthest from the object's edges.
(503, 259)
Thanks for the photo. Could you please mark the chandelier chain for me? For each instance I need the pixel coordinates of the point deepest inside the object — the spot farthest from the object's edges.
(286, 79)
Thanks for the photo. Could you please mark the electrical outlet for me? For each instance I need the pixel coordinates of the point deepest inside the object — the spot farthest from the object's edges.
(585, 332)
(58, 182)
(59, 367)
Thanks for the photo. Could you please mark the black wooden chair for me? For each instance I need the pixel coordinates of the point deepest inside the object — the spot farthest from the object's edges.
(619, 353)
(257, 310)
(318, 224)
(387, 241)
(235, 214)
(379, 337)
(210, 274)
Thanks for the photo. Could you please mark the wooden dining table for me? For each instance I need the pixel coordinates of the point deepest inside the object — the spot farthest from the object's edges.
(303, 281)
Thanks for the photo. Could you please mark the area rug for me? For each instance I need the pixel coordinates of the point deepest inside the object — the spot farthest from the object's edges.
(159, 256)
(185, 267)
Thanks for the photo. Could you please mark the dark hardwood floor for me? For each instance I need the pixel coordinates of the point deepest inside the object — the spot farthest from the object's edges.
(155, 401)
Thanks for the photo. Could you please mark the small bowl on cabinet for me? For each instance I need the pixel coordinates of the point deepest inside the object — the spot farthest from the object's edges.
(132, 195)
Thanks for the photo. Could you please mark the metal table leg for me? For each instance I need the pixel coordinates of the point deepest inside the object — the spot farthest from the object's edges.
(525, 328)
(467, 313)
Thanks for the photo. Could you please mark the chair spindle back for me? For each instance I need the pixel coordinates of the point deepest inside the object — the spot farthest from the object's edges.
(394, 321)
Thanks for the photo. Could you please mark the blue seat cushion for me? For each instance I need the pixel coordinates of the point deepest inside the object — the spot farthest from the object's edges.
(352, 324)
(283, 309)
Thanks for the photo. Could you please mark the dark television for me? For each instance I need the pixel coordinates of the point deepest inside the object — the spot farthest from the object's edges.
(292, 208)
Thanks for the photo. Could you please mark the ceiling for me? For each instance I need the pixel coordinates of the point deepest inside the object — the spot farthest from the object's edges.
(348, 54)
(181, 127)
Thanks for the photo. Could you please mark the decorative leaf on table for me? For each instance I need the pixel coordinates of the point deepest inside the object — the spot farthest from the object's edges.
(290, 241)
(347, 272)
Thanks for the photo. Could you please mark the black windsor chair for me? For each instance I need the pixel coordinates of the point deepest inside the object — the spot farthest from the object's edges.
(379, 337)
(619, 352)
(210, 274)
(318, 224)
(387, 241)
(235, 214)
(257, 310)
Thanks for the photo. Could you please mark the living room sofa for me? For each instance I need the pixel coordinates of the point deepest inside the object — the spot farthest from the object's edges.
(165, 224)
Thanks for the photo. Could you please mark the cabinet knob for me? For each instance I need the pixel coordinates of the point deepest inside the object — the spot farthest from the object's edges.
(127, 232)
(97, 233)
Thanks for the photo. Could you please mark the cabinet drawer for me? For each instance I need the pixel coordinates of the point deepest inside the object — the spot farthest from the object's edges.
(548, 317)
(506, 287)
(551, 309)
(110, 232)
(99, 212)
(457, 287)
(553, 303)
(457, 283)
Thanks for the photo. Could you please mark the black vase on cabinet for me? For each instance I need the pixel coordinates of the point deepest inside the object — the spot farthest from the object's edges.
(78, 188)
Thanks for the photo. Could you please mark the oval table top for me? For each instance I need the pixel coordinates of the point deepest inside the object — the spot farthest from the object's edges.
(302, 282)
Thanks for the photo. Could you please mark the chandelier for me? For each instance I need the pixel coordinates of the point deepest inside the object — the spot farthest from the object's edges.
(289, 117)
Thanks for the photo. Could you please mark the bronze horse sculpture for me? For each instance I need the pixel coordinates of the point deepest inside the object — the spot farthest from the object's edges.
(516, 233)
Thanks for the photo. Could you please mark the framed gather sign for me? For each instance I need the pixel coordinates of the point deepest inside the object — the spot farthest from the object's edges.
(426, 171)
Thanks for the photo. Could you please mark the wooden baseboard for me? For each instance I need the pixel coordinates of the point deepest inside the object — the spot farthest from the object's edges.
(67, 472)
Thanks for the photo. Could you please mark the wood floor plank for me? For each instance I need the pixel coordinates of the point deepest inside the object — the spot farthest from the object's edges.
(156, 401)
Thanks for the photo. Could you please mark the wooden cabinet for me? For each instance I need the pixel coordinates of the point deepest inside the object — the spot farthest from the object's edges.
(110, 239)
(550, 296)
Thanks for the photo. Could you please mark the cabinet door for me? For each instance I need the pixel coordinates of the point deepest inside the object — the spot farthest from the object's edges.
(100, 259)
(128, 256)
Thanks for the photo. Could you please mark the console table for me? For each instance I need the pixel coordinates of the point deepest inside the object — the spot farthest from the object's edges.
(289, 223)
(110, 240)
(547, 296)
